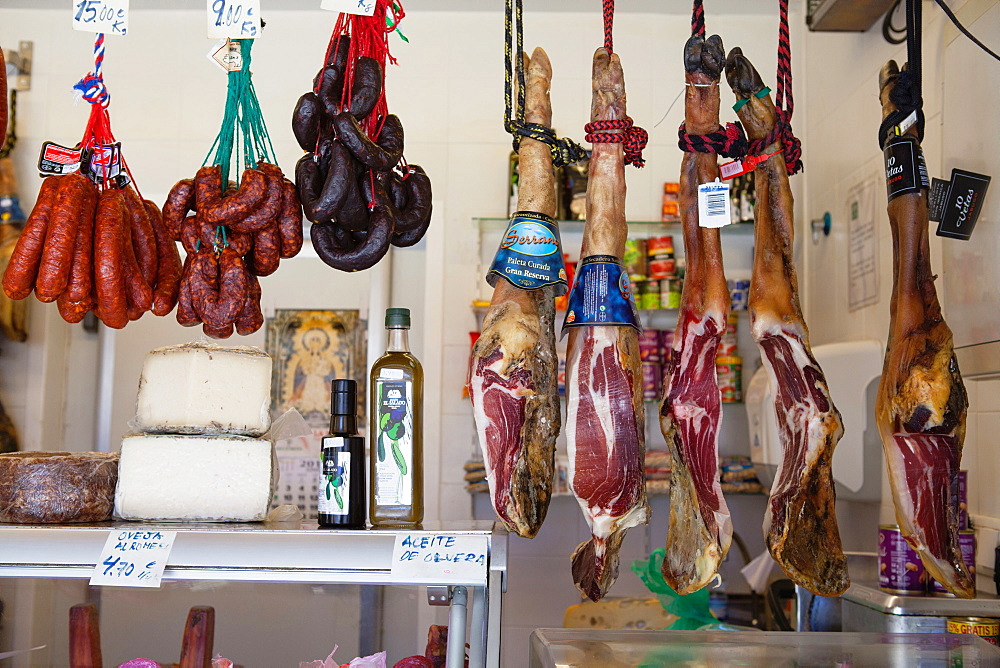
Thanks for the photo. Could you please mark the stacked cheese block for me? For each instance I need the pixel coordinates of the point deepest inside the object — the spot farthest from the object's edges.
(198, 456)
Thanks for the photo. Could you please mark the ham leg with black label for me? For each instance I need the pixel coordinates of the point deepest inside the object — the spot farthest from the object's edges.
(700, 529)
(922, 403)
(605, 423)
(800, 523)
(513, 371)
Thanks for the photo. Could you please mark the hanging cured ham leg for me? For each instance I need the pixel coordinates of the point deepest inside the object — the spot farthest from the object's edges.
(513, 373)
(605, 415)
(800, 523)
(922, 403)
(700, 527)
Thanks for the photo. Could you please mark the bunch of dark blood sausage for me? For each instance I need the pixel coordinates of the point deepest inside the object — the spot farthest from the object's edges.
(90, 249)
(358, 203)
(230, 240)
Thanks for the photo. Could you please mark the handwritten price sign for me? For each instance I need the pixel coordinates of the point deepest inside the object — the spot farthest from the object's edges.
(361, 7)
(107, 16)
(133, 558)
(235, 19)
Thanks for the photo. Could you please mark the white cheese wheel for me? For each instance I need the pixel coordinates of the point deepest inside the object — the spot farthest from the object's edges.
(194, 478)
(196, 388)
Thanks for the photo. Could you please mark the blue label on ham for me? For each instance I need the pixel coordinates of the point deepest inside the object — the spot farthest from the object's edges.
(530, 254)
(601, 295)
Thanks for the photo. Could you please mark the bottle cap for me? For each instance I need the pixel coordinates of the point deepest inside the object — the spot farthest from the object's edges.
(397, 317)
(344, 397)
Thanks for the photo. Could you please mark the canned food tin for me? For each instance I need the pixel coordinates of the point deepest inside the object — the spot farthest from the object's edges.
(635, 259)
(967, 545)
(651, 380)
(900, 570)
(986, 628)
(729, 373)
(649, 346)
(649, 296)
(739, 294)
(660, 247)
(672, 188)
(963, 500)
(666, 341)
(671, 211)
(660, 267)
(670, 293)
(728, 342)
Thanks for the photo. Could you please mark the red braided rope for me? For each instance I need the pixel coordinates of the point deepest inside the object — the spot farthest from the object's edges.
(783, 102)
(729, 141)
(623, 132)
(608, 8)
(698, 19)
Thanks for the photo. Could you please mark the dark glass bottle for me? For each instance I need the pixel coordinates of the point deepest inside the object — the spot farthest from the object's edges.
(342, 476)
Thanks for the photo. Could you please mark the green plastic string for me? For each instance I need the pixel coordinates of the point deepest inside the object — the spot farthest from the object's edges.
(243, 125)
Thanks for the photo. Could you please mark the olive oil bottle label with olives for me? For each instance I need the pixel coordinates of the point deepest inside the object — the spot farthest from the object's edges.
(335, 480)
(341, 490)
(394, 442)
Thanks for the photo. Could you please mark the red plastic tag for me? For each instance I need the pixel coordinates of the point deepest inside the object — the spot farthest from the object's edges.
(741, 166)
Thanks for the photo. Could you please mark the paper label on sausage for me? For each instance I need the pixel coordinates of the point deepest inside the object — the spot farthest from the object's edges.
(601, 295)
(903, 173)
(530, 254)
(56, 159)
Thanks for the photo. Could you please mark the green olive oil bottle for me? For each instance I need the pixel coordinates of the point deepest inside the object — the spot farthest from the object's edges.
(397, 395)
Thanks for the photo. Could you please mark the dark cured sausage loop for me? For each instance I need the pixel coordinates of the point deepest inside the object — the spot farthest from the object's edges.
(290, 221)
(76, 199)
(355, 213)
(305, 121)
(340, 177)
(22, 269)
(381, 155)
(218, 287)
(365, 254)
(366, 88)
(109, 266)
(180, 200)
(417, 212)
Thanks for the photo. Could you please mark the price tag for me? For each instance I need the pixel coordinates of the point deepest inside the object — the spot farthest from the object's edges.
(107, 16)
(228, 55)
(56, 159)
(236, 19)
(360, 7)
(133, 558)
(713, 204)
(430, 556)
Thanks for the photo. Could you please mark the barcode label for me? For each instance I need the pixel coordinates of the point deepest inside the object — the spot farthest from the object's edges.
(713, 204)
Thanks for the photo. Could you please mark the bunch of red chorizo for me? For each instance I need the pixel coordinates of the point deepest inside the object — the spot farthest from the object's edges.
(347, 182)
(232, 238)
(93, 249)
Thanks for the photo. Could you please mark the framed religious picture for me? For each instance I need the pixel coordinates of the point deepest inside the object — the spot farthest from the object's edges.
(309, 350)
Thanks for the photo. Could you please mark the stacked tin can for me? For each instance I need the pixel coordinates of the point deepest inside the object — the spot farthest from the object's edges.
(729, 364)
(654, 351)
(900, 570)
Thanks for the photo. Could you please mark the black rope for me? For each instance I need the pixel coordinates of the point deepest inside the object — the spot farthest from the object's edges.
(891, 33)
(965, 31)
(906, 93)
(564, 150)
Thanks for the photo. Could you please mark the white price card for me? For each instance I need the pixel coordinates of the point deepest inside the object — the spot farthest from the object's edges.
(227, 54)
(107, 16)
(428, 556)
(235, 19)
(360, 7)
(133, 558)
(713, 204)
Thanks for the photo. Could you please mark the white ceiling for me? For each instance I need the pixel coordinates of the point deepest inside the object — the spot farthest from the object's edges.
(639, 6)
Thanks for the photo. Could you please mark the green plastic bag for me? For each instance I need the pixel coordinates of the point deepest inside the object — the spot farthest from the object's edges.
(691, 610)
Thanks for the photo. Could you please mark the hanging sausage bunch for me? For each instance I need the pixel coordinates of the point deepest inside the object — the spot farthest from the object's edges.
(238, 232)
(91, 243)
(358, 191)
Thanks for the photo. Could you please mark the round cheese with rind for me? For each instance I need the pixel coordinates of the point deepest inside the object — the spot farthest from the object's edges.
(57, 487)
(198, 388)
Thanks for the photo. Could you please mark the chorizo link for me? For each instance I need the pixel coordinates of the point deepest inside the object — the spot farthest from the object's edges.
(81, 272)
(109, 244)
(250, 318)
(270, 205)
(168, 266)
(234, 207)
(290, 221)
(180, 200)
(186, 315)
(207, 187)
(266, 251)
(76, 199)
(219, 287)
(22, 269)
(74, 311)
(142, 236)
